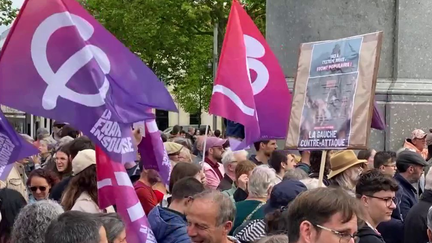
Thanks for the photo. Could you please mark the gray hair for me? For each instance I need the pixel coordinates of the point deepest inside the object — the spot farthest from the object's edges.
(49, 142)
(295, 174)
(274, 239)
(227, 210)
(229, 156)
(74, 226)
(429, 219)
(63, 141)
(42, 133)
(33, 220)
(113, 225)
(261, 180)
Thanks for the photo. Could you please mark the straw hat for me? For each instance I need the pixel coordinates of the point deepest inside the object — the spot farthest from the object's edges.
(343, 160)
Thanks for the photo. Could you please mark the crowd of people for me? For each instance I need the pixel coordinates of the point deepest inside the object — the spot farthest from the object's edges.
(218, 195)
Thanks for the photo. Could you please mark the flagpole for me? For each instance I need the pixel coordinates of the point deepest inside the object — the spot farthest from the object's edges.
(215, 62)
(205, 143)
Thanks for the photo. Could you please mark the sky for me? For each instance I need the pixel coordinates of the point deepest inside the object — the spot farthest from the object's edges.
(16, 4)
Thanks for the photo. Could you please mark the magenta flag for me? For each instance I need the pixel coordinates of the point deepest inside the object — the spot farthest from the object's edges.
(115, 188)
(153, 153)
(250, 86)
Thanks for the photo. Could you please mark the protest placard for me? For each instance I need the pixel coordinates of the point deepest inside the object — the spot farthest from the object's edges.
(334, 93)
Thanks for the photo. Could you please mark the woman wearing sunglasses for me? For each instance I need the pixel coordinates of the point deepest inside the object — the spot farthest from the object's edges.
(40, 182)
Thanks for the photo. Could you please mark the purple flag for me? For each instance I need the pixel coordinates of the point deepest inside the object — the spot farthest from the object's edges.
(115, 188)
(377, 121)
(153, 153)
(12, 147)
(69, 68)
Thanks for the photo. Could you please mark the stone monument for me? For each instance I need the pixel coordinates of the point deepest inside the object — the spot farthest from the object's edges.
(404, 88)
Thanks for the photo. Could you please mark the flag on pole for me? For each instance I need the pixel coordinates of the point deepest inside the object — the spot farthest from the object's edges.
(153, 153)
(250, 87)
(115, 188)
(69, 68)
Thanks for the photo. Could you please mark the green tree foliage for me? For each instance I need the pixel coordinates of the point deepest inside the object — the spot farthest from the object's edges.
(174, 38)
(7, 12)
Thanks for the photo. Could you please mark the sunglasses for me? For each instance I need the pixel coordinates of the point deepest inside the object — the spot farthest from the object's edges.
(41, 188)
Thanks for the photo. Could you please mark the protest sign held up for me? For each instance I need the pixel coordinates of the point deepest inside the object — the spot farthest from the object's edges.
(333, 102)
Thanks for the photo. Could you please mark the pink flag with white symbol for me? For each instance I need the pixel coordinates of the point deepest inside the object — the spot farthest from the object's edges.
(153, 153)
(115, 188)
(250, 87)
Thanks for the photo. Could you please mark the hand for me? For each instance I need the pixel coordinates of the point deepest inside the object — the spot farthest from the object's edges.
(35, 159)
(242, 182)
(137, 136)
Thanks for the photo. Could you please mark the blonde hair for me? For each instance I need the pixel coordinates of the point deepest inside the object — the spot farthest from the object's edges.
(185, 155)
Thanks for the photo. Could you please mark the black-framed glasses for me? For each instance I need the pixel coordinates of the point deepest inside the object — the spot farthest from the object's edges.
(388, 200)
(343, 237)
(41, 188)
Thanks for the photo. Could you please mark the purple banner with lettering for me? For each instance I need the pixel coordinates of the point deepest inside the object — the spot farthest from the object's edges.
(12, 147)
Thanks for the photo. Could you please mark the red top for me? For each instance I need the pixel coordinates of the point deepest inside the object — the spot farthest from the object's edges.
(146, 196)
(159, 195)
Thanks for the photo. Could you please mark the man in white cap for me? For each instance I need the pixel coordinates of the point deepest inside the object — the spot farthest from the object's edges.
(417, 143)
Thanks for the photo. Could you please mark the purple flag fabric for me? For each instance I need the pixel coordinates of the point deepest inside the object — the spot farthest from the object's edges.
(153, 153)
(115, 188)
(377, 121)
(12, 147)
(69, 68)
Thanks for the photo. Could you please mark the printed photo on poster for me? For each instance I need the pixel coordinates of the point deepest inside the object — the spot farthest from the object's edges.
(327, 111)
(334, 57)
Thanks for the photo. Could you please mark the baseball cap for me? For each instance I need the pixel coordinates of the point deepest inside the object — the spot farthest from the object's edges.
(214, 142)
(418, 133)
(283, 193)
(84, 159)
(408, 157)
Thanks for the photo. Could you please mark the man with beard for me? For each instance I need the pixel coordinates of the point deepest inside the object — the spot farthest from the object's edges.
(212, 166)
(264, 149)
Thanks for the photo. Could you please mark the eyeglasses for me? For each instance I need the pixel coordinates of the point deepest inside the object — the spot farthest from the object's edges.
(41, 188)
(343, 237)
(387, 200)
(390, 165)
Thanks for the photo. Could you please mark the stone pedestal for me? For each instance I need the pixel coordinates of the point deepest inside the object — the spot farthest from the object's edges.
(404, 89)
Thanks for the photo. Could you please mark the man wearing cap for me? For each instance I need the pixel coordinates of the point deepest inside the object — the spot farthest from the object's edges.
(417, 143)
(213, 156)
(410, 167)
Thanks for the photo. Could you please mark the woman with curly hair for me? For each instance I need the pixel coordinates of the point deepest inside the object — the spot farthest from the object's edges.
(81, 193)
(40, 182)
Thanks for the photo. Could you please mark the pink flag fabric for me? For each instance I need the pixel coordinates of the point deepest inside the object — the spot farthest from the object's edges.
(250, 86)
(153, 153)
(115, 188)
